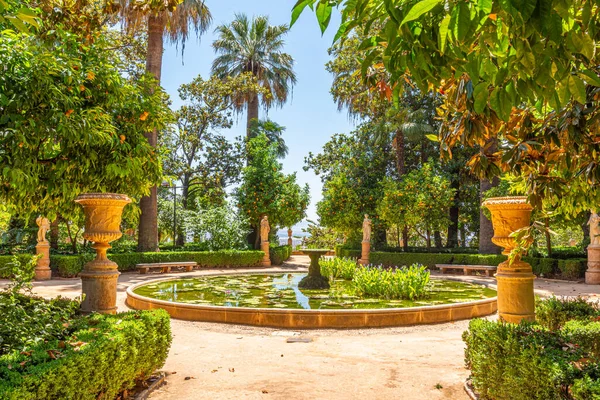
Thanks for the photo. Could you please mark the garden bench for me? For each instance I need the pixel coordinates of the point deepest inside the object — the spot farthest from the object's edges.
(488, 269)
(166, 266)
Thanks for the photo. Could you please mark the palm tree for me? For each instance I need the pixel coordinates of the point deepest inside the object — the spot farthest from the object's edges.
(173, 20)
(273, 131)
(254, 46)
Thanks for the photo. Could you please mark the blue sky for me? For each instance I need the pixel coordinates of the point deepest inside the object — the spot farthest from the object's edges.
(311, 116)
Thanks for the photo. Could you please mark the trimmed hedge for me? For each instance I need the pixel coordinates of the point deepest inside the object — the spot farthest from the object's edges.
(280, 254)
(530, 362)
(571, 269)
(69, 266)
(104, 357)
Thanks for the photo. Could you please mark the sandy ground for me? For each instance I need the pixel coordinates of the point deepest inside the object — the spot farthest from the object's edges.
(214, 361)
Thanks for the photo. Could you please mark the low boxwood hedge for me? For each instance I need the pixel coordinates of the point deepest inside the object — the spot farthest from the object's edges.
(4, 260)
(103, 357)
(69, 266)
(530, 361)
(279, 254)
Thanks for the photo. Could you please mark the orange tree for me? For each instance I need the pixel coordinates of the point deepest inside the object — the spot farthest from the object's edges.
(419, 202)
(70, 122)
(266, 190)
(519, 78)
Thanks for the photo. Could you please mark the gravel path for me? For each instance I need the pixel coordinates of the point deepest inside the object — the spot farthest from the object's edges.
(214, 361)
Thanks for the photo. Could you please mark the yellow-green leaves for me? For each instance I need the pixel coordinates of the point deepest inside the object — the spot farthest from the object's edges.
(480, 97)
(419, 9)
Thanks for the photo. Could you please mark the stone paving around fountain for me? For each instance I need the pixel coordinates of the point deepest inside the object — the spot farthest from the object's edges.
(215, 361)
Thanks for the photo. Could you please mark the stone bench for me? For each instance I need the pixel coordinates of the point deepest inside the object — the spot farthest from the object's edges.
(467, 269)
(166, 266)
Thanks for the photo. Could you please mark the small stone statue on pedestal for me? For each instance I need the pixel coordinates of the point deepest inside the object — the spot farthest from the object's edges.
(264, 240)
(366, 243)
(42, 270)
(592, 275)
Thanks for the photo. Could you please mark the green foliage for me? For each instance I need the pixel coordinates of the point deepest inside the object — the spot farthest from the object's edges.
(420, 201)
(73, 123)
(70, 266)
(572, 269)
(321, 237)
(279, 254)
(351, 167)
(27, 321)
(520, 72)
(273, 131)
(14, 16)
(221, 228)
(553, 312)
(21, 270)
(338, 268)
(343, 251)
(530, 361)
(7, 264)
(103, 355)
(401, 283)
(266, 190)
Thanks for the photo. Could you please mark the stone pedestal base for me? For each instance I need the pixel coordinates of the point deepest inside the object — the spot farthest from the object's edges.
(100, 291)
(266, 261)
(366, 249)
(42, 270)
(516, 300)
(592, 275)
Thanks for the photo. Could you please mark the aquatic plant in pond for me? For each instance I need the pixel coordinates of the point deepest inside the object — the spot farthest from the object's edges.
(402, 283)
(281, 291)
(343, 268)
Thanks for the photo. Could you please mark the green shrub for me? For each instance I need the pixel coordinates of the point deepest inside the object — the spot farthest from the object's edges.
(572, 269)
(532, 361)
(280, 254)
(336, 267)
(69, 266)
(404, 259)
(103, 357)
(401, 283)
(553, 312)
(342, 251)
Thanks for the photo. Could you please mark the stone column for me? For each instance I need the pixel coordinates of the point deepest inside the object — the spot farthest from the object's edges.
(266, 261)
(42, 270)
(592, 275)
(366, 249)
(516, 300)
(102, 225)
(290, 241)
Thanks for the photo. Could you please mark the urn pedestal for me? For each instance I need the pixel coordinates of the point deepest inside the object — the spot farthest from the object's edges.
(516, 300)
(102, 225)
(266, 261)
(42, 269)
(290, 241)
(366, 249)
(592, 275)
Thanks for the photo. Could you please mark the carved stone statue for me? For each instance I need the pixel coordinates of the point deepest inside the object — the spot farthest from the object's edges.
(44, 225)
(594, 224)
(366, 228)
(264, 229)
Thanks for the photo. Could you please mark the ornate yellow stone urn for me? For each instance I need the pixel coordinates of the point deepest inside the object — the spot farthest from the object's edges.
(102, 225)
(515, 280)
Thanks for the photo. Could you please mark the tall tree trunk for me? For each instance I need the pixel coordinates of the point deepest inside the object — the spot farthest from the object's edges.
(380, 237)
(252, 113)
(437, 237)
(185, 194)
(454, 214)
(148, 228)
(463, 236)
(428, 239)
(54, 234)
(548, 238)
(405, 238)
(486, 230)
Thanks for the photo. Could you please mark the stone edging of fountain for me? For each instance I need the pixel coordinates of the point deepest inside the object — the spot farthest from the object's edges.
(315, 319)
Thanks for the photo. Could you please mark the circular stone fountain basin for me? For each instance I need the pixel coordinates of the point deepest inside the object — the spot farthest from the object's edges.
(275, 300)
